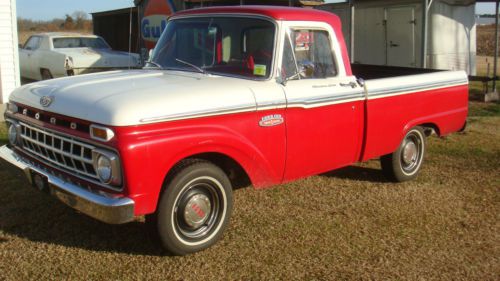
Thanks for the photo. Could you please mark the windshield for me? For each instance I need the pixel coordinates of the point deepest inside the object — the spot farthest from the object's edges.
(219, 45)
(80, 42)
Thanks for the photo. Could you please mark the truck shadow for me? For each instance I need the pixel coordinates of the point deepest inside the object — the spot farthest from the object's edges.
(38, 217)
(357, 173)
(28, 214)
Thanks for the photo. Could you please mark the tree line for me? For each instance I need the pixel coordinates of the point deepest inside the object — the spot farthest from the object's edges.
(486, 15)
(78, 20)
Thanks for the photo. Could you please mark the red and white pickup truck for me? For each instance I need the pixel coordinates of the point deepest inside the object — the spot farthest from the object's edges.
(263, 95)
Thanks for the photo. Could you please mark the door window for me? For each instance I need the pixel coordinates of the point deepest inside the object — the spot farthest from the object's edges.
(288, 65)
(33, 43)
(313, 53)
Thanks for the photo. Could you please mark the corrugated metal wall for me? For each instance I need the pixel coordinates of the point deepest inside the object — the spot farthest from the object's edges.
(452, 37)
(9, 57)
(451, 40)
(114, 27)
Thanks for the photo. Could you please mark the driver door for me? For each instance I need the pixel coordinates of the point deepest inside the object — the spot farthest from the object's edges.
(324, 106)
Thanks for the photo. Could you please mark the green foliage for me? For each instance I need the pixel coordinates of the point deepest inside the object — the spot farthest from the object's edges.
(3, 133)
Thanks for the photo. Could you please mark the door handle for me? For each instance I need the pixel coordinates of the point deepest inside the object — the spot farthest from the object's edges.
(350, 84)
(393, 45)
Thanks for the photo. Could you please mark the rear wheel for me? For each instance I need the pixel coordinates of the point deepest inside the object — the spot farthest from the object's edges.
(405, 163)
(45, 74)
(194, 208)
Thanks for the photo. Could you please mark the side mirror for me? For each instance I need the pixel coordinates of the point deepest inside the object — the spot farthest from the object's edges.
(20, 46)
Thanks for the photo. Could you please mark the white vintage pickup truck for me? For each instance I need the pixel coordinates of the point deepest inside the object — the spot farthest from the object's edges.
(52, 55)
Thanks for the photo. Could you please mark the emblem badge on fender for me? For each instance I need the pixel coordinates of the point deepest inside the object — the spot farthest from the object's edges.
(46, 100)
(271, 120)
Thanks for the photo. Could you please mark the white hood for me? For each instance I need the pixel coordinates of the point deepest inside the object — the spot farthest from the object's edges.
(123, 98)
(89, 57)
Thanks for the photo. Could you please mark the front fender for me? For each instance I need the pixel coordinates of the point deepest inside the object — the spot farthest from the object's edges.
(149, 152)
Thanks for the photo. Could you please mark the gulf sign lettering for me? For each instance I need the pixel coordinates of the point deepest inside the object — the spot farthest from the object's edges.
(154, 20)
(152, 27)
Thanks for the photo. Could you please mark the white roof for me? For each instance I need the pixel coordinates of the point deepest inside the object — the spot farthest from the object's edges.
(66, 34)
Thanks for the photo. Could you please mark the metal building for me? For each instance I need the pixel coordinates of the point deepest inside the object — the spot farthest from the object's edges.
(119, 28)
(438, 34)
(9, 56)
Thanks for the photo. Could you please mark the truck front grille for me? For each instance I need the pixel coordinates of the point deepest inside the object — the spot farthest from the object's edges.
(61, 151)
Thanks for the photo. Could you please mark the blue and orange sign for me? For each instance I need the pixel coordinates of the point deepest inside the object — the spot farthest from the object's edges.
(154, 20)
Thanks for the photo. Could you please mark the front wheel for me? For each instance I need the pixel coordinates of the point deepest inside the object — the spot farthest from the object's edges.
(194, 208)
(405, 163)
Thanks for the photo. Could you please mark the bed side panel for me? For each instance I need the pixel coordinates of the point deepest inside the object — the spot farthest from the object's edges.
(395, 105)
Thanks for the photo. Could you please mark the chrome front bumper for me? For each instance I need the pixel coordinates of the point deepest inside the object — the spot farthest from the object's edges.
(98, 206)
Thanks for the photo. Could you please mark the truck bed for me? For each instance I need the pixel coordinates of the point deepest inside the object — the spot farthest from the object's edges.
(368, 71)
(402, 97)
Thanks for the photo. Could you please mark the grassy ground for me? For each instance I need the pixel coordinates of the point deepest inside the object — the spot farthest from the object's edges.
(3, 134)
(348, 224)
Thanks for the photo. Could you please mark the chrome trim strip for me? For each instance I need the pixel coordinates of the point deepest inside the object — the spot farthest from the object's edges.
(201, 113)
(320, 101)
(400, 90)
(271, 106)
(99, 206)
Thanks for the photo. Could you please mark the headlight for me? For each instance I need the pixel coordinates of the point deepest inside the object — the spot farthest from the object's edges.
(104, 168)
(12, 107)
(107, 167)
(13, 134)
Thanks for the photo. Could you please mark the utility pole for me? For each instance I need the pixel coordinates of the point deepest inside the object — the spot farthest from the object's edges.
(493, 96)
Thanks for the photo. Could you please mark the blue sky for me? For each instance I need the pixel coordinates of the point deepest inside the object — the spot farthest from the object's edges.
(49, 9)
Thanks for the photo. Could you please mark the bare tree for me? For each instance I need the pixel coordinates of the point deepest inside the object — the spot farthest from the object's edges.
(69, 22)
(80, 19)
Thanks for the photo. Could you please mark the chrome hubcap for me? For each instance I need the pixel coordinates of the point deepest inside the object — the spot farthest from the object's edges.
(410, 153)
(197, 210)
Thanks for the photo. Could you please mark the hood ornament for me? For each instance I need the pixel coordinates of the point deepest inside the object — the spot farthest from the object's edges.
(45, 101)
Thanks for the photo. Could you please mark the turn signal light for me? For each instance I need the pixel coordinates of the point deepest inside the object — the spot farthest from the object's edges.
(101, 133)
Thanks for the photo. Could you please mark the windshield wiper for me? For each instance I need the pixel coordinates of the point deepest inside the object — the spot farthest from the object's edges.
(201, 70)
(155, 64)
